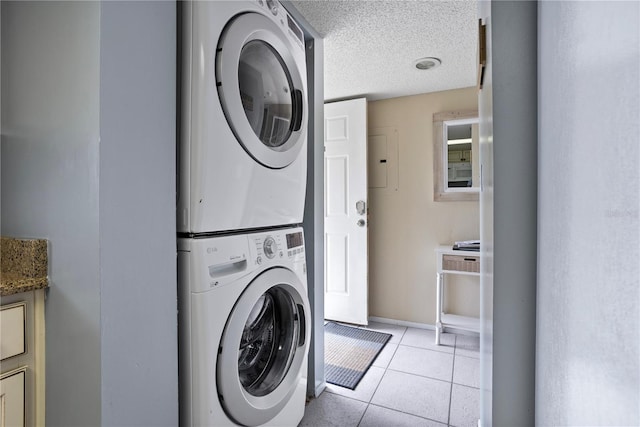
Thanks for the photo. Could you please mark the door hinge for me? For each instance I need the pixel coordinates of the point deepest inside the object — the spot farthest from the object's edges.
(482, 52)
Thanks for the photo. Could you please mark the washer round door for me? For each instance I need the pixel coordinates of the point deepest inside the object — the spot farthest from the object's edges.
(262, 89)
(263, 347)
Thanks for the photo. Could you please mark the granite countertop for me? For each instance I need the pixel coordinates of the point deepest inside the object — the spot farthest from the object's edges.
(24, 265)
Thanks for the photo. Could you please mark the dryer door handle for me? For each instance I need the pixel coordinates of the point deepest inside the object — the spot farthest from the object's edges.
(302, 325)
(297, 109)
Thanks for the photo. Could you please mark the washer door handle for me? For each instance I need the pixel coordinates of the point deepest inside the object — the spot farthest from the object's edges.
(297, 109)
(302, 326)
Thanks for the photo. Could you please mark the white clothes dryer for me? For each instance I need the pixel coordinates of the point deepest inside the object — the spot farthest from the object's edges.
(243, 128)
(245, 328)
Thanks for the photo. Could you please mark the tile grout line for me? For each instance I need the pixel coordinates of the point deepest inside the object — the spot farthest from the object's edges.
(430, 349)
(453, 367)
(402, 336)
(406, 413)
(454, 354)
(363, 414)
(381, 378)
(420, 376)
(376, 389)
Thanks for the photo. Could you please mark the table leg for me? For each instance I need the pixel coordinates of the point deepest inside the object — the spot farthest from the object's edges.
(439, 279)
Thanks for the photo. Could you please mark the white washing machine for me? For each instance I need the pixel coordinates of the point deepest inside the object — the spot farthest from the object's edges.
(244, 329)
(243, 127)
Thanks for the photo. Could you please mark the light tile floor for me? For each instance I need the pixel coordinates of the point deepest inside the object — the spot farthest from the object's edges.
(412, 382)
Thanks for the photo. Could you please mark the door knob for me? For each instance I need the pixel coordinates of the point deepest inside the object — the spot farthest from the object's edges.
(360, 223)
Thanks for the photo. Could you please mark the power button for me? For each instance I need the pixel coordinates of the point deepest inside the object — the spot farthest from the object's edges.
(273, 6)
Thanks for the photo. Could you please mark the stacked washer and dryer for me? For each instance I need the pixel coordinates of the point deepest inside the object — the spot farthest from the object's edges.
(244, 316)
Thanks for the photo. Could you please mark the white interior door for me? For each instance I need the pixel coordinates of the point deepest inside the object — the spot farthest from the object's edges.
(345, 215)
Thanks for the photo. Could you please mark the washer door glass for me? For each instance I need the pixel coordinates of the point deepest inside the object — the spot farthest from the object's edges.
(268, 342)
(263, 350)
(266, 93)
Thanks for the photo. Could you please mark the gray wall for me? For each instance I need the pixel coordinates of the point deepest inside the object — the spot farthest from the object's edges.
(485, 115)
(509, 126)
(50, 155)
(587, 355)
(314, 203)
(88, 162)
(137, 213)
(314, 222)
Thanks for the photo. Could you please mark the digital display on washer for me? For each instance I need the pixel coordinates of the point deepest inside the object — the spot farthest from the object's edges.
(294, 240)
(294, 29)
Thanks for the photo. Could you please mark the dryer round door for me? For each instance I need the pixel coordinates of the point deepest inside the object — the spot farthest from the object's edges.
(262, 90)
(263, 347)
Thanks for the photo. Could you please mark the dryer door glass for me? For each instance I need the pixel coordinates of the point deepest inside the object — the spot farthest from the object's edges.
(261, 81)
(266, 93)
(269, 342)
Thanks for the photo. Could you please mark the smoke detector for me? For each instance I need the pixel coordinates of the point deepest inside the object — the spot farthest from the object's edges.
(427, 63)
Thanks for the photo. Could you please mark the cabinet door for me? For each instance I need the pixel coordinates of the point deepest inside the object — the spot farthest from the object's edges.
(455, 156)
(12, 398)
(12, 330)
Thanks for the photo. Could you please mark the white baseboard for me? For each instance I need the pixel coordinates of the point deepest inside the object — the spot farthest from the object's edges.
(460, 331)
(402, 323)
(420, 325)
(320, 388)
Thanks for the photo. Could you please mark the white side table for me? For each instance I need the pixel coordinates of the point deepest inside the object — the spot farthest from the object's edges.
(454, 262)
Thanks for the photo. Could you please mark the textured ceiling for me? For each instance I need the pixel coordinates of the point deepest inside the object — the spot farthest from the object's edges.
(370, 46)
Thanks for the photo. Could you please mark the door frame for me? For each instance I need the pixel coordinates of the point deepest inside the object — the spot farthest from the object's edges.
(506, 349)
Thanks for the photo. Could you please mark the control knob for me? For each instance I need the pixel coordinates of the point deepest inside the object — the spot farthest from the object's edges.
(269, 247)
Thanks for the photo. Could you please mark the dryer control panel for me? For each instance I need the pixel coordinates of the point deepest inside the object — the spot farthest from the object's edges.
(282, 16)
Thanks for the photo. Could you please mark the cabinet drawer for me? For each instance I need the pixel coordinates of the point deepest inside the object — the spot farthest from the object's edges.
(12, 330)
(470, 264)
(12, 398)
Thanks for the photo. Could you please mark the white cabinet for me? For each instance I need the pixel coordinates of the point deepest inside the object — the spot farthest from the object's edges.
(459, 156)
(12, 330)
(454, 262)
(455, 156)
(22, 354)
(12, 404)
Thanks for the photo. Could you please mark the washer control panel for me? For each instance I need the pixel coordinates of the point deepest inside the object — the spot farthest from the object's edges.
(295, 243)
(276, 245)
(218, 261)
(266, 247)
